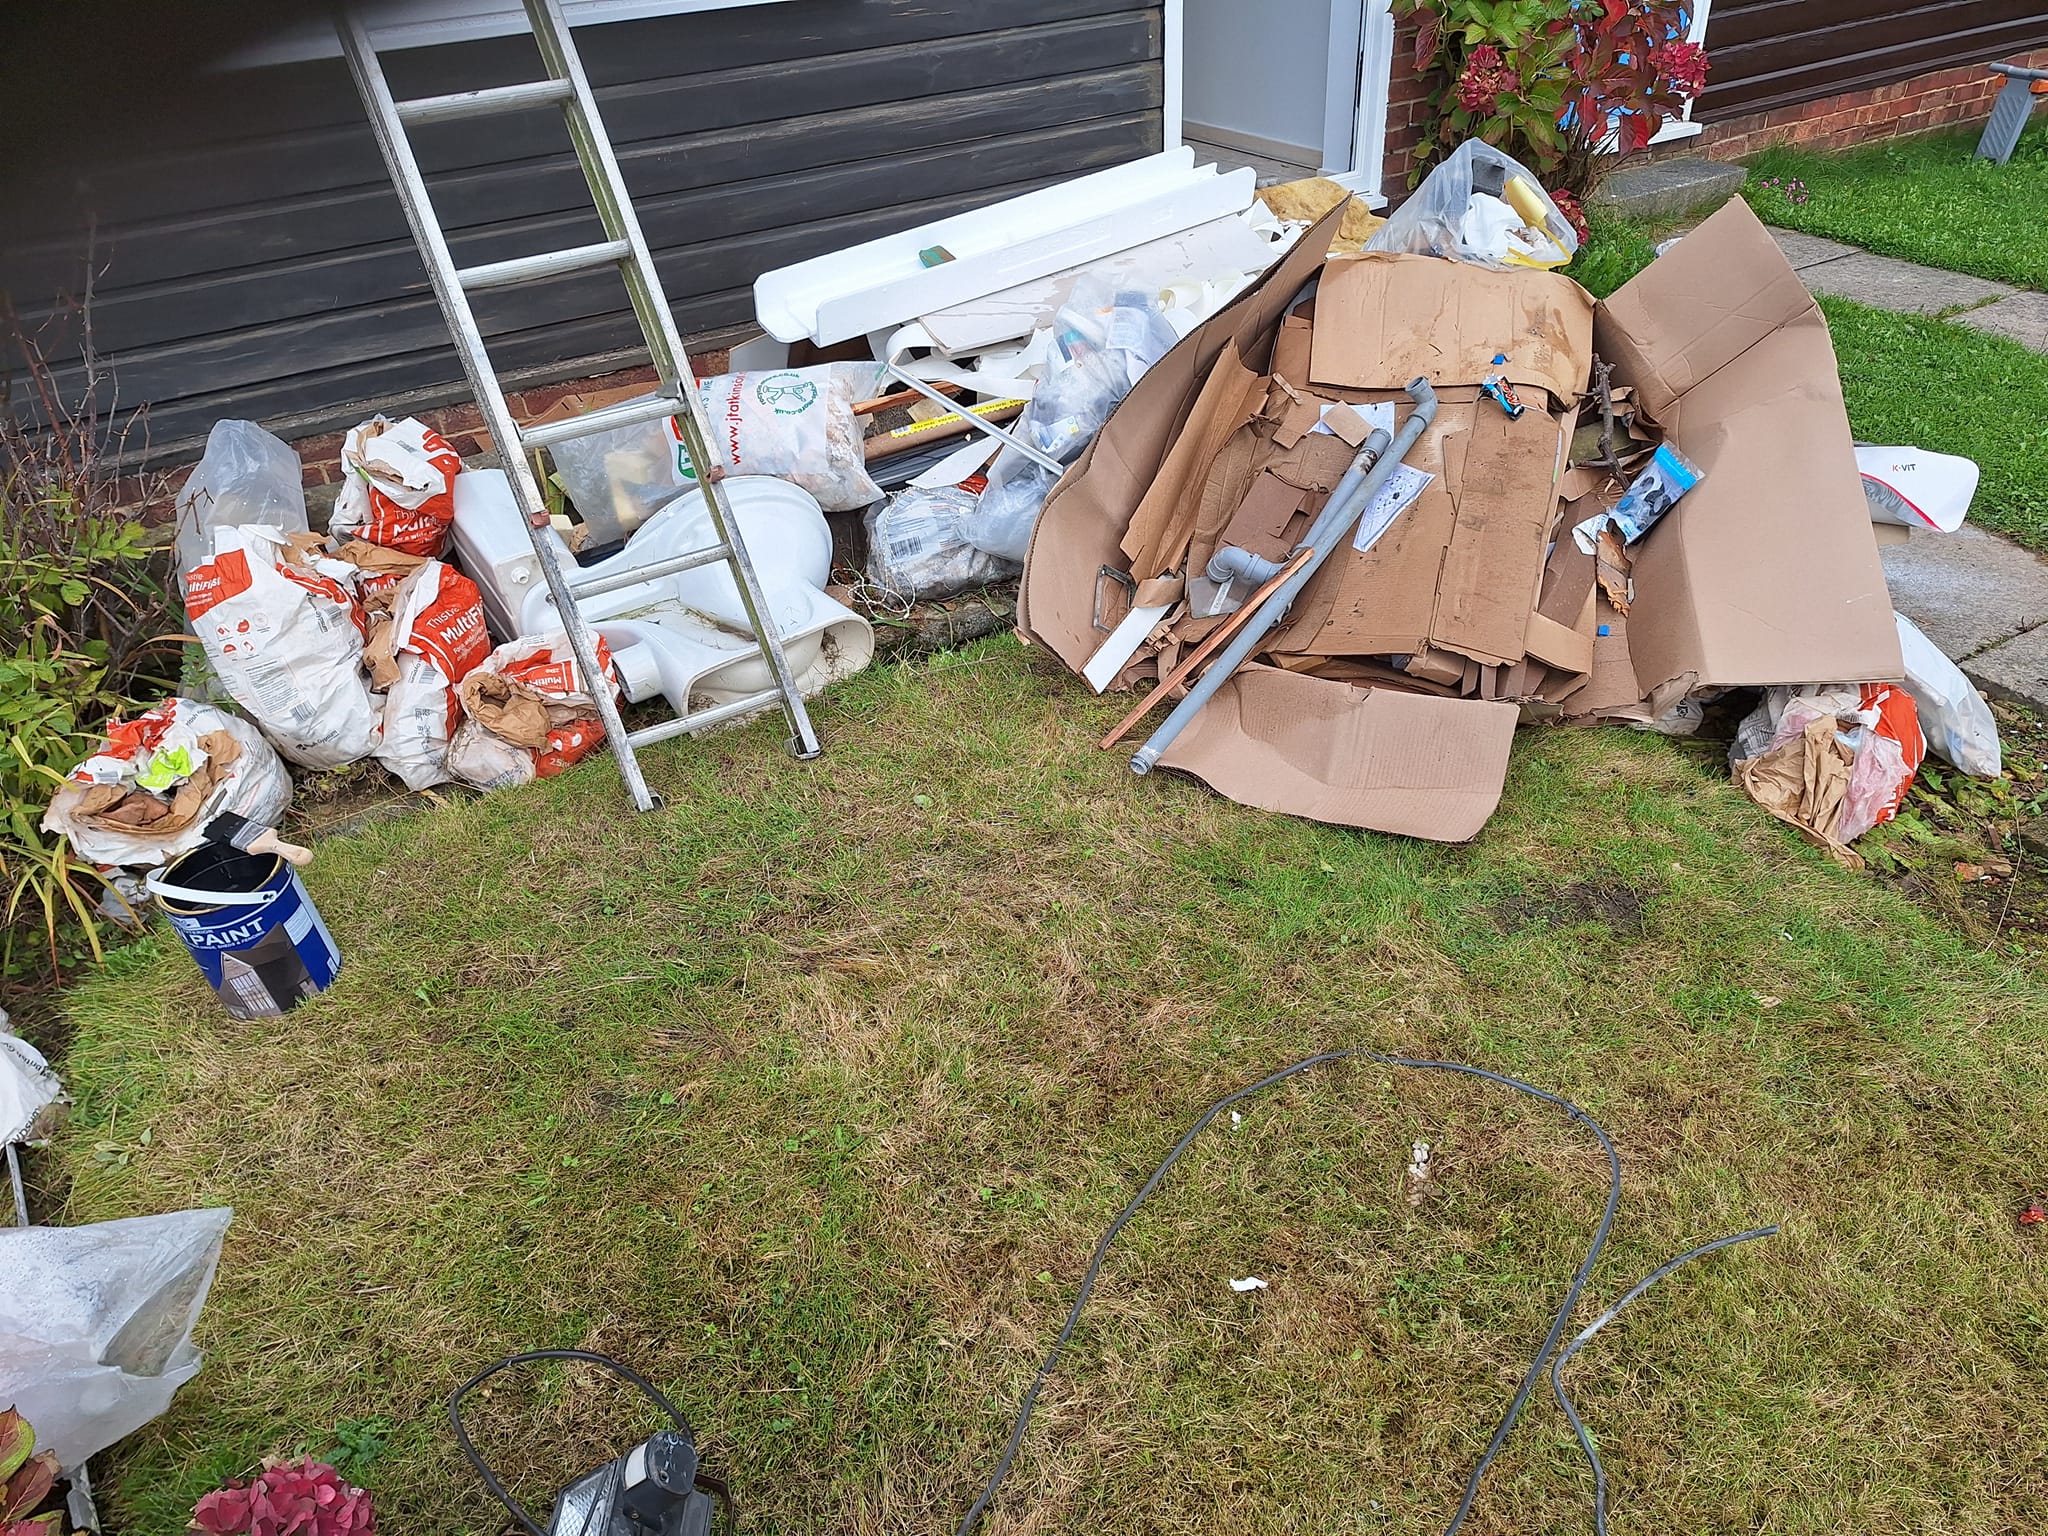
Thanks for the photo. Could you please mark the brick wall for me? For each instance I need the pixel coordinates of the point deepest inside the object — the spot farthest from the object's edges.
(1410, 117)
(1944, 98)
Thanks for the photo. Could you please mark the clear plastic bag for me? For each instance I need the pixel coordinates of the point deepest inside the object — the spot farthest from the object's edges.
(1958, 723)
(96, 1323)
(1480, 206)
(918, 547)
(796, 424)
(246, 476)
(1105, 340)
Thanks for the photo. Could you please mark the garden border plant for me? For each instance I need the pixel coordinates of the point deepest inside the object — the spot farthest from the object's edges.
(85, 626)
(1568, 87)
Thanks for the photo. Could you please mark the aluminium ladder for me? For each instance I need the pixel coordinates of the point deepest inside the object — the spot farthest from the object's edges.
(675, 395)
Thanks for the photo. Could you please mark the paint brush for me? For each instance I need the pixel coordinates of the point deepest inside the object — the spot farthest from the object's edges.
(240, 832)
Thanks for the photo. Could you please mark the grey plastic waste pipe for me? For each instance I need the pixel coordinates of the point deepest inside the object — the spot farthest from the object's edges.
(1232, 563)
(1347, 502)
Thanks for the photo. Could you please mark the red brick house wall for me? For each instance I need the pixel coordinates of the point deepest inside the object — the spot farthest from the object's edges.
(1410, 117)
(1942, 98)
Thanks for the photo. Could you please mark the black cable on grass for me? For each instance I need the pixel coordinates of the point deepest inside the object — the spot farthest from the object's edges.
(497, 1489)
(1563, 1357)
(1556, 1360)
(1529, 1378)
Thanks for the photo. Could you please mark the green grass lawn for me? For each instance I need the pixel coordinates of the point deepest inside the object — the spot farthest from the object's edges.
(1913, 380)
(1924, 199)
(1934, 384)
(808, 1094)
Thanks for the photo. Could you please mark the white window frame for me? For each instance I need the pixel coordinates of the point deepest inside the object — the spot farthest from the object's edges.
(1365, 84)
(1682, 126)
(428, 23)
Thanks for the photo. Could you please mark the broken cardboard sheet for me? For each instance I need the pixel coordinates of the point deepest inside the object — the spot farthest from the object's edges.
(1165, 520)
(1354, 757)
(1381, 320)
(1767, 572)
(1458, 570)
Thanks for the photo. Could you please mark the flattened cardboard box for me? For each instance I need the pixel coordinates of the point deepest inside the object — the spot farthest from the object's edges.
(1766, 573)
(1380, 320)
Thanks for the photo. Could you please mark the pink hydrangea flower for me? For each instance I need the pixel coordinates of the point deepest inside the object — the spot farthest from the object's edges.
(298, 1498)
(1485, 79)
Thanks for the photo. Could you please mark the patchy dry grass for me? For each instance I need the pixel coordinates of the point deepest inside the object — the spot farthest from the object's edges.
(808, 1095)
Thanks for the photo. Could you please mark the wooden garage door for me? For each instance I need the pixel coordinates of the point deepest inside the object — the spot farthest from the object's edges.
(1774, 53)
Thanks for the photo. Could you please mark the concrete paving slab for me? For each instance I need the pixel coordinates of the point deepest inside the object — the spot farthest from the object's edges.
(2023, 318)
(1670, 189)
(1968, 590)
(1805, 251)
(2016, 670)
(1885, 283)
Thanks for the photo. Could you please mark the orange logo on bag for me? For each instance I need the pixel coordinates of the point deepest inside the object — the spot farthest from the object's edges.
(332, 590)
(449, 632)
(421, 530)
(212, 584)
(543, 673)
(568, 745)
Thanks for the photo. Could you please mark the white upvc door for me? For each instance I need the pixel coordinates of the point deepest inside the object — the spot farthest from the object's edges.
(1299, 83)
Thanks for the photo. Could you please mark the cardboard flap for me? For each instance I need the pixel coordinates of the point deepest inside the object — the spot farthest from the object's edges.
(1767, 572)
(1698, 307)
(1504, 501)
(1381, 320)
(1157, 538)
(1356, 757)
(1264, 517)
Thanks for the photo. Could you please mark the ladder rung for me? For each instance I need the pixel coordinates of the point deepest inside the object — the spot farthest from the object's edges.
(652, 571)
(626, 413)
(498, 98)
(703, 718)
(524, 269)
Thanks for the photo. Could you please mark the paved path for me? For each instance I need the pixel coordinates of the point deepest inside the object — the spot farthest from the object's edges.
(1980, 597)
(1883, 282)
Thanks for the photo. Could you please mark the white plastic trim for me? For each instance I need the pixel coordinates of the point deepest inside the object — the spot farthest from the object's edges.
(882, 283)
(1375, 85)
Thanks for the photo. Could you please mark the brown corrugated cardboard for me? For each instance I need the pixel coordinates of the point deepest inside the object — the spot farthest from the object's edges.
(1085, 515)
(1381, 320)
(1456, 570)
(1265, 517)
(1160, 529)
(1767, 571)
(1763, 573)
(1356, 757)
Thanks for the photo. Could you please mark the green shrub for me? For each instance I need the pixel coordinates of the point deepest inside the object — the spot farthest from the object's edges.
(83, 619)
